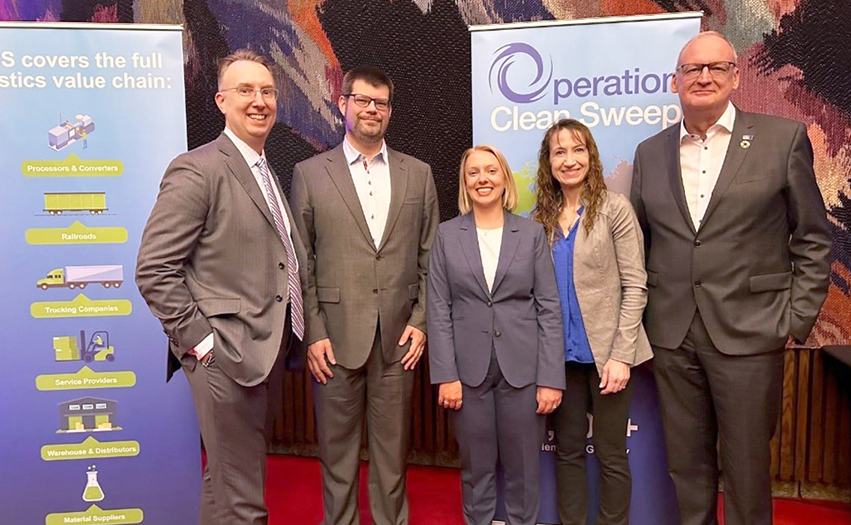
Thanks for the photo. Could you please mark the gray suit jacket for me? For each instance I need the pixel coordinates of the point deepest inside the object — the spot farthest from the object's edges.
(520, 318)
(351, 282)
(757, 268)
(211, 260)
(611, 284)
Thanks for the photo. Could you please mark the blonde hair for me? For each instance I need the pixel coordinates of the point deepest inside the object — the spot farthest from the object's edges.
(509, 195)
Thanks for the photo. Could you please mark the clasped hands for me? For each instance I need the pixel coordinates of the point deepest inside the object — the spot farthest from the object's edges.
(321, 353)
(449, 396)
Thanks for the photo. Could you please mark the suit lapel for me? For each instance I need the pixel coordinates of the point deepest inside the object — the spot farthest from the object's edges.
(470, 247)
(242, 173)
(338, 170)
(675, 176)
(732, 162)
(510, 241)
(398, 187)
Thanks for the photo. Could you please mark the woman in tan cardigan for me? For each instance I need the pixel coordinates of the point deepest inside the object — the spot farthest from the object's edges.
(599, 261)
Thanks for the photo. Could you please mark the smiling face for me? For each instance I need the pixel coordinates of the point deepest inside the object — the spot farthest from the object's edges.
(249, 118)
(365, 125)
(484, 179)
(569, 159)
(705, 93)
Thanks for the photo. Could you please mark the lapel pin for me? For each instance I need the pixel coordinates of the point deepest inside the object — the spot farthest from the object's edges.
(745, 144)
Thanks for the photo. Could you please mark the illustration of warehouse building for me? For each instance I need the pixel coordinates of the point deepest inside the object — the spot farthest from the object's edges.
(87, 414)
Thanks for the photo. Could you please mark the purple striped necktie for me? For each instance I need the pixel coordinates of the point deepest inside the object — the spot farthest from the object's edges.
(293, 286)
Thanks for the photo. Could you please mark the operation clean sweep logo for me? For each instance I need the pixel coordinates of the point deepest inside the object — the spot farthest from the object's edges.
(506, 56)
(521, 75)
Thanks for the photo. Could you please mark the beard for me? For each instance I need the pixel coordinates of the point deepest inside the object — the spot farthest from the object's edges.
(369, 133)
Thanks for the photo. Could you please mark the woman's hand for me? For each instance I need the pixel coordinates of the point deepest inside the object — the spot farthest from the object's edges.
(449, 395)
(615, 377)
(548, 399)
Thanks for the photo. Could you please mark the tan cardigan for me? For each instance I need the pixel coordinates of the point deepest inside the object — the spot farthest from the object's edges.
(611, 283)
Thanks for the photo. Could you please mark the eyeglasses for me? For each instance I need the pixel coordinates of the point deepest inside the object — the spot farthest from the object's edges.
(268, 93)
(363, 101)
(717, 70)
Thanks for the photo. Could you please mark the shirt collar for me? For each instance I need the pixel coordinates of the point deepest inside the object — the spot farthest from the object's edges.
(247, 151)
(728, 118)
(352, 154)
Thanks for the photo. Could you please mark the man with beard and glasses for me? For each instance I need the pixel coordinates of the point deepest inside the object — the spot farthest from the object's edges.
(368, 216)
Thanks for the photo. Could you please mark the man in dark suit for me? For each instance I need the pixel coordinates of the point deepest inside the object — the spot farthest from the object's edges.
(737, 261)
(368, 216)
(222, 265)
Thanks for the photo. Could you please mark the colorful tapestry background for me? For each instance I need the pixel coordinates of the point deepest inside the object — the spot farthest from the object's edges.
(793, 57)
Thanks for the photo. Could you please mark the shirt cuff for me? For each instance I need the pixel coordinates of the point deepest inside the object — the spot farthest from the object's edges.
(203, 348)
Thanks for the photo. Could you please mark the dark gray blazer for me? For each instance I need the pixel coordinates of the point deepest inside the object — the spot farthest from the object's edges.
(757, 268)
(211, 260)
(520, 319)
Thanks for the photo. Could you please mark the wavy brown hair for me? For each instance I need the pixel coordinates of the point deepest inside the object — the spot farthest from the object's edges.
(550, 199)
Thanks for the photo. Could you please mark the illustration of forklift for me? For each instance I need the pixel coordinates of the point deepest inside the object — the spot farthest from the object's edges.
(98, 349)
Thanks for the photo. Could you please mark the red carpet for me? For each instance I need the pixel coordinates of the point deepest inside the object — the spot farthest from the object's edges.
(294, 496)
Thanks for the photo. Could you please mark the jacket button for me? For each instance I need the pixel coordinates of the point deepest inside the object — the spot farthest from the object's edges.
(377, 257)
(375, 290)
(490, 303)
(697, 242)
(697, 283)
(281, 265)
(279, 298)
(497, 333)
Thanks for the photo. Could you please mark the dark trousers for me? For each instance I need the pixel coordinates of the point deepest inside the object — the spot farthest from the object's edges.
(706, 395)
(498, 422)
(611, 413)
(380, 394)
(235, 423)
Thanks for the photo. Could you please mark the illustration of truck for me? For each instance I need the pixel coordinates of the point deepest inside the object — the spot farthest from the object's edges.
(98, 348)
(111, 275)
(57, 203)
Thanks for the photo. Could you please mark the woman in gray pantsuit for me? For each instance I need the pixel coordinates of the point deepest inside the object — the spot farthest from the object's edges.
(599, 261)
(495, 337)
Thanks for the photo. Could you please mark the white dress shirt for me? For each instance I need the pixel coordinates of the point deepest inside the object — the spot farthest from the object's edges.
(490, 242)
(701, 160)
(372, 184)
(251, 157)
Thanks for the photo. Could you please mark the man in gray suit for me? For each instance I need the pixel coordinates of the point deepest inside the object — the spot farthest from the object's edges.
(368, 216)
(221, 265)
(737, 261)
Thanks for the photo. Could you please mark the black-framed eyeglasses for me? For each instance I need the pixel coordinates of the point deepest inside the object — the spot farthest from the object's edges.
(717, 70)
(268, 93)
(364, 101)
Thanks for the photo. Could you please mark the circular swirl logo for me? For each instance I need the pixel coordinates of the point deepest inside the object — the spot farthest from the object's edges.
(509, 55)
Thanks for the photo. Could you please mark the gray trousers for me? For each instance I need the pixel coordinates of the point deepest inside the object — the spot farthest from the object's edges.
(706, 395)
(498, 422)
(235, 425)
(380, 394)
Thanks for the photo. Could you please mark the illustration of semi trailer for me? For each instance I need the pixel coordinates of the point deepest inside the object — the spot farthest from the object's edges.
(58, 203)
(67, 132)
(98, 348)
(111, 275)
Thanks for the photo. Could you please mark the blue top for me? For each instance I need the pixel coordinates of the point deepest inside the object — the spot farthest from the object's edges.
(576, 346)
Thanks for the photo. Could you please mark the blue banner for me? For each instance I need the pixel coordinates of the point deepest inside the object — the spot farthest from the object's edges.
(614, 76)
(91, 432)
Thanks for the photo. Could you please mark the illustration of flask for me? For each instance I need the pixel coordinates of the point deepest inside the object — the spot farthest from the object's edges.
(92, 492)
